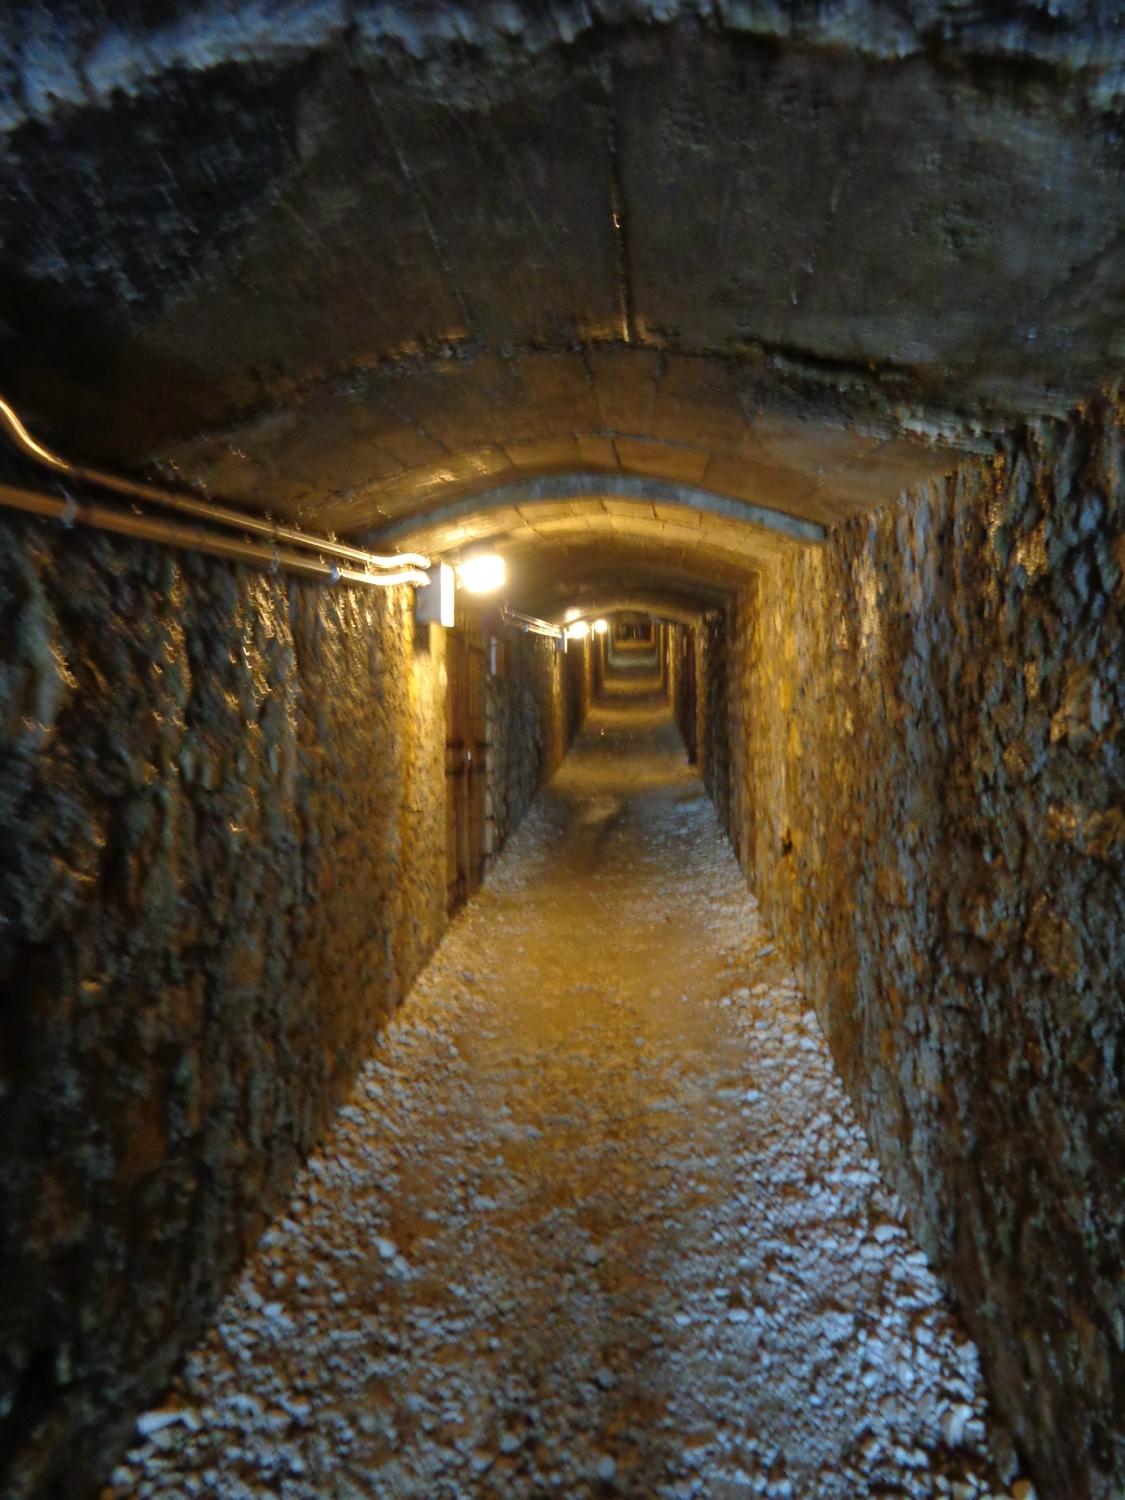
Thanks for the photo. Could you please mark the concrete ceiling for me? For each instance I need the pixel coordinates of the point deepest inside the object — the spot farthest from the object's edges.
(364, 264)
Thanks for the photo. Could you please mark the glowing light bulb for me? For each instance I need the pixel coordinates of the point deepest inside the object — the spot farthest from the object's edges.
(482, 573)
(579, 630)
(601, 626)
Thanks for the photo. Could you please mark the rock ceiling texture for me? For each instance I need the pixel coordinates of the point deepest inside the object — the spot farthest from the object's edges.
(436, 272)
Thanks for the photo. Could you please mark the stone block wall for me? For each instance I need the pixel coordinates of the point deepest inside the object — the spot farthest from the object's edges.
(222, 822)
(922, 767)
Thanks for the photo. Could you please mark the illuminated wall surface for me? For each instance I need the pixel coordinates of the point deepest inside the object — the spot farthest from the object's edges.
(914, 737)
(224, 809)
(794, 328)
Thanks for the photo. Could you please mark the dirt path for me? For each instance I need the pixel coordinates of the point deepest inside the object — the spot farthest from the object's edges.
(598, 1219)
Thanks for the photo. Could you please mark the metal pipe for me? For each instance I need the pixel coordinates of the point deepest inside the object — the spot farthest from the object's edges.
(197, 538)
(530, 622)
(204, 510)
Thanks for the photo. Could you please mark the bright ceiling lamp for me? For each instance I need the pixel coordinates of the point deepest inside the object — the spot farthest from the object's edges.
(482, 572)
(579, 630)
(601, 626)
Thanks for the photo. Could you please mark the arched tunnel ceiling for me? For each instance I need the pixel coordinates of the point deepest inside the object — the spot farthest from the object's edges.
(655, 603)
(353, 262)
(484, 512)
(559, 571)
(556, 547)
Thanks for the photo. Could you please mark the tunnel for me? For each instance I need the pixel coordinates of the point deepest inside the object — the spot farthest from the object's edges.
(561, 906)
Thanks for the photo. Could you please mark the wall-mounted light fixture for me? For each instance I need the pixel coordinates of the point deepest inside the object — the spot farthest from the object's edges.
(601, 626)
(482, 572)
(579, 630)
(435, 605)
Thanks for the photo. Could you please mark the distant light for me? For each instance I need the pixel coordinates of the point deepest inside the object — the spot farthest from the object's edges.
(579, 630)
(483, 573)
(601, 626)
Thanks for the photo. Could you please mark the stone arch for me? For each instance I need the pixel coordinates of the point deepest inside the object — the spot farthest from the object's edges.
(601, 489)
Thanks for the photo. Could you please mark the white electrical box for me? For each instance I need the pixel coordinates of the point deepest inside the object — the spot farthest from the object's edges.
(434, 604)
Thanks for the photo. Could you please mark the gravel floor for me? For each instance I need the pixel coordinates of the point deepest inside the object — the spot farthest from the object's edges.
(598, 1219)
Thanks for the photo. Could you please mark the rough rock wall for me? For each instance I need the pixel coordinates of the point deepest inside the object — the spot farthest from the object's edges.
(221, 865)
(220, 797)
(713, 715)
(926, 731)
(677, 650)
(579, 675)
(536, 704)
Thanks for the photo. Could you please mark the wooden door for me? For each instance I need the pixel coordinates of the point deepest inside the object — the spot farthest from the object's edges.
(466, 763)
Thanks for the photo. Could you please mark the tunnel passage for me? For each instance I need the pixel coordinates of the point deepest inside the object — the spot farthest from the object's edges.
(639, 1247)
(796, 329)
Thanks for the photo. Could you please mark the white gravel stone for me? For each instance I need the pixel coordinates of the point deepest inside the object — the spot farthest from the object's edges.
(565, 1201)
(151, 1422)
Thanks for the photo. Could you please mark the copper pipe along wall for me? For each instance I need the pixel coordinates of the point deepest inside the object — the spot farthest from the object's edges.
(196, 538)
(203, 510)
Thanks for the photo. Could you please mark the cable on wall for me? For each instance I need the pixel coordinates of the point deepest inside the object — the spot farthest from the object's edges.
(530, 623)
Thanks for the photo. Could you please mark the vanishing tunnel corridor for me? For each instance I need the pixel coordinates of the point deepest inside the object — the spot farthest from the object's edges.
(597, 1218)
(556, 1074)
